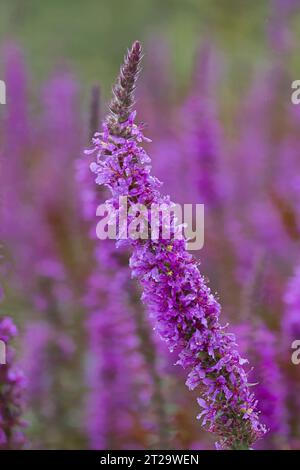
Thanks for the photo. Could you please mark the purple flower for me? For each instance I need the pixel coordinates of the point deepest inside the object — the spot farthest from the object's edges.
(261, 346)
(15, 141)
(185, 311)
(123, 361)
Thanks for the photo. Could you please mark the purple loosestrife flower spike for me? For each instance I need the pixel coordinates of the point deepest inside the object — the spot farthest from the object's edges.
(185, 312)
(12, 385)
(290, 332)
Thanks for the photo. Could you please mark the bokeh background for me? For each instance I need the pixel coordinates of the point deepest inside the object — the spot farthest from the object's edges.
(216, 93)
